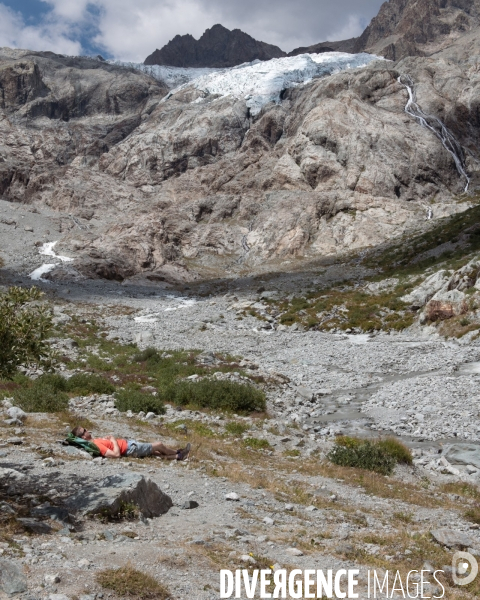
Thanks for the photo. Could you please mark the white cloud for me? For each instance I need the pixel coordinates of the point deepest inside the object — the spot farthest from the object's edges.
(352, 28)
(50, 35)
(132, 29)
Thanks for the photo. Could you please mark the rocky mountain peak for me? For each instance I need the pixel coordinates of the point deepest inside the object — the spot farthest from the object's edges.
(218, 47)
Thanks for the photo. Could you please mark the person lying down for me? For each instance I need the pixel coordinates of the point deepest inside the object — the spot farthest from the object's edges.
(111, 447)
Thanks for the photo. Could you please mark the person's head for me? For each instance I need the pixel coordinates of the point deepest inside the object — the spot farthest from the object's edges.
(82, 432)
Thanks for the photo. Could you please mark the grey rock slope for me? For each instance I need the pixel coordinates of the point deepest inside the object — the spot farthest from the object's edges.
(194, 185)
(422, 28)
(218, 47)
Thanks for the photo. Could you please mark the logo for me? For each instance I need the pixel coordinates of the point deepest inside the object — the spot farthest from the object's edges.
(465, 568)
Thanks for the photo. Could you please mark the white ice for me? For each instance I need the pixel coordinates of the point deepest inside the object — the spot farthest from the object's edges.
(43, 270)
(261, 82)
(172, 76)
(48, 250)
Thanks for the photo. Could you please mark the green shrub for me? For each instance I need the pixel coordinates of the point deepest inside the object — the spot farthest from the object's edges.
(236, 428)
(52, 380)
(137, 401)
(217, 395)
(41, 397)
(148, 355)
(24, 327)
(87, 383)
(256, 443)
(366, 455)
(80, 383)
(396, 450)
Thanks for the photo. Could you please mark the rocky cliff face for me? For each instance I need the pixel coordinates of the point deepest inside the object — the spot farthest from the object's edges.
(422, 28)
(218, 47)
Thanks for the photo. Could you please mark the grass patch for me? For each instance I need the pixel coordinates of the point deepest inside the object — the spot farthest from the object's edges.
(73, 420)
(216, 395)
(462, 489)
(137, 401)
(130, 583)
(380, 456)
(292, 453)
(256, 443)
(236, 428)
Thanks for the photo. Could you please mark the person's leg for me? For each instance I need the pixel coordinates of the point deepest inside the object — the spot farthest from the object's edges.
(159, 449)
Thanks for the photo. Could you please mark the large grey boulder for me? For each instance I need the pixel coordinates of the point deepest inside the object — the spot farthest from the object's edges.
(463, 454)
(12, 578)
(452, 539)
(16, 413)
(109, 495)
(420, 295)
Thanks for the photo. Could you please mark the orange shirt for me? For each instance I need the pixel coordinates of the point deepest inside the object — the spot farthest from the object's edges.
(104, 445)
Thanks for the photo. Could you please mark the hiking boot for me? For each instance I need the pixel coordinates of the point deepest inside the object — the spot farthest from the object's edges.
(183, 453)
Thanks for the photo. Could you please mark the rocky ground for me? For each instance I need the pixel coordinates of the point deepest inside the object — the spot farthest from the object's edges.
(291, 507)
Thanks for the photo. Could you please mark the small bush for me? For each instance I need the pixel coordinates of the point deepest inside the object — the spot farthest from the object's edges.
(130, 583)
(87, 383)
(41, 398)
(396, 450)
(148, 355)
(366, 455)
(236, 428)
(380, 456)
(256, 443)
(137, 401)
(218, 395)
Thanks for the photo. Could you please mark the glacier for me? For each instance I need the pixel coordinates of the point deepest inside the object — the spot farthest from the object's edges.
(173, 76)
(262, 82)
(258, 82)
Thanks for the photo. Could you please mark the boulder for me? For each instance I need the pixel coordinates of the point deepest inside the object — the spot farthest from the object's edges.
(16, 413)
(420, 295)
(12, 578)
(109, 495)
(11, 475)
(463, 454)
(452, 539)
(144, 337)
(305, 393)
(35, 526)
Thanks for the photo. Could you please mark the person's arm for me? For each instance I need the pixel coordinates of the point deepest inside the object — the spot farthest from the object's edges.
(115, 453)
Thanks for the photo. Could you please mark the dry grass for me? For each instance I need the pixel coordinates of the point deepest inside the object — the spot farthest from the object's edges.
(130, 583)
(72, 420)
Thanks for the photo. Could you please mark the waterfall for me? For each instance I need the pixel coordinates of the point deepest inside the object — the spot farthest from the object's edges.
(434, 124)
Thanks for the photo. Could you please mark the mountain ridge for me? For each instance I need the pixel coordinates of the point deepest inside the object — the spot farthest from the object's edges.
(218, 47)
(401, 28)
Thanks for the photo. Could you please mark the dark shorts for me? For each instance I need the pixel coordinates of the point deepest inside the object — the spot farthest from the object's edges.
(138, 449)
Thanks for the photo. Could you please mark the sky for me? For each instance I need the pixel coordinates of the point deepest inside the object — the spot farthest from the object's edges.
(130, 30)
